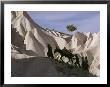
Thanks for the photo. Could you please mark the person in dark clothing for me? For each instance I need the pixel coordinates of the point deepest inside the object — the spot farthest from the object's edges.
(83, 63)
(77, 61)
(49, 53)
(86, 64)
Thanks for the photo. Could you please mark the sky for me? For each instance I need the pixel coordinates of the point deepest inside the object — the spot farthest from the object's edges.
(85, 21)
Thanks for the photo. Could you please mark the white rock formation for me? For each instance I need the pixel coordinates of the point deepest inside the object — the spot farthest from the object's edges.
(87, 44)
(31, 35)
(29, 39)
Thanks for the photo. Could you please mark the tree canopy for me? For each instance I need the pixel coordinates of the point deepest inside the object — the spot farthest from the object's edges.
(71, 27)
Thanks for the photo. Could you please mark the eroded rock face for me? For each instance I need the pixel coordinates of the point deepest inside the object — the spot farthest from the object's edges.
(30, 35)
(31, 40)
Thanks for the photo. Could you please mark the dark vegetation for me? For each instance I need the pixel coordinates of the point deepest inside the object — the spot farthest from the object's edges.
(73, 69)
(50, 67)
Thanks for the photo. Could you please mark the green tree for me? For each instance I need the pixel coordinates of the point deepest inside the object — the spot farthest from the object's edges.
(71, 27)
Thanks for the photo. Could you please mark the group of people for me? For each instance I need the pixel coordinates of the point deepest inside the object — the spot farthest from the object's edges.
(84, 64)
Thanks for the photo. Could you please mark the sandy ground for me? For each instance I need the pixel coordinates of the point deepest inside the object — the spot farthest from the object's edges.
(43, 67)
(39, 67)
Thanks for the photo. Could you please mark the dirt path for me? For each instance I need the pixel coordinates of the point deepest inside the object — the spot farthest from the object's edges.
(39, 67)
